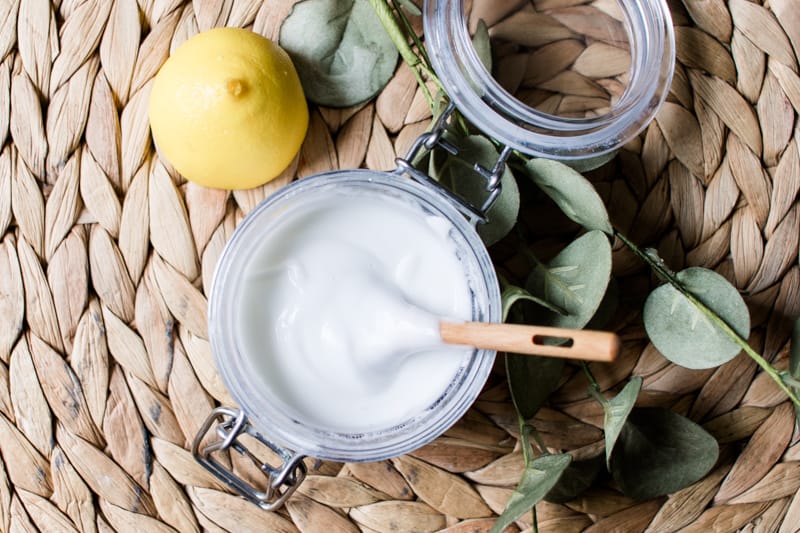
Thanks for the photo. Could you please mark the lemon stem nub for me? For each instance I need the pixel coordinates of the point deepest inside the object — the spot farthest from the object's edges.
(235, 87)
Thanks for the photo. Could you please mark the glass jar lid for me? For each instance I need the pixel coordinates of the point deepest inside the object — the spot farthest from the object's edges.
(643, 28)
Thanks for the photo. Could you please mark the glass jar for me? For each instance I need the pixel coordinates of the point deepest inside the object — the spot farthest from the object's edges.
(484, 101)
(261, 414)
(518, 126)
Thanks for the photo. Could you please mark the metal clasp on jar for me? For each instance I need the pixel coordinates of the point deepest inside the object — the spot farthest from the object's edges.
(435, 137)
(230, 424)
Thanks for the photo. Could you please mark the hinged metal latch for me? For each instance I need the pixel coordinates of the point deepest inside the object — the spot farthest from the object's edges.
(435, 137)
(281, 481)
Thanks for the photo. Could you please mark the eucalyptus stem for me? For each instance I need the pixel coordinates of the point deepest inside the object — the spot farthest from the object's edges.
(664, 273)
(418, 62)
(590, 376)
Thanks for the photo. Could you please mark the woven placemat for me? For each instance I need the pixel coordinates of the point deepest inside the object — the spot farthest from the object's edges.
(106, 258)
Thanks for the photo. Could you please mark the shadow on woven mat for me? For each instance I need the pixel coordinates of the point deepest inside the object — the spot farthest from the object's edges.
(107, 254)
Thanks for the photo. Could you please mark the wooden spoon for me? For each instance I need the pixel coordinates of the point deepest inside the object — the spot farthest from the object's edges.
(580, 344)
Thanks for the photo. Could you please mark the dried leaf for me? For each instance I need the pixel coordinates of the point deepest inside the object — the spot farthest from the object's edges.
(67, 115)
(761, 453)
(31, 412)
(234, 513)
(103, 475)
(12, 297)
(63, 392)
(309, 515)
(70, 493)
(382, 476)
(109, 275)
(80, 35)
(136, 142)
(63, 206)
(185, 302)
(182, 466)
(119, 46)
(40, 310)
(760, 26)
(339, 491)
(103, 135)
(445, 492)
(398, 517)
(729, 105)
(170, 232)
(26, 468)
(98, 195)
(45, 515)
(171, 502)
(134, 233)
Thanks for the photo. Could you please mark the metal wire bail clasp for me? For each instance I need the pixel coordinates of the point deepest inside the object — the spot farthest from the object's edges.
(230, 424)
(435, 137)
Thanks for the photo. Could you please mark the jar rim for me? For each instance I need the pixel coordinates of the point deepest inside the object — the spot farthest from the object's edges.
(269, 418)
(483, 101)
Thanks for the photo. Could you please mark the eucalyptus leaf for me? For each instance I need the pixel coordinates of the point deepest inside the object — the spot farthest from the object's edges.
(576, 479)
(531, 379)
(411, 7)
(513, 294)
(616, 412)
(574, 281)
(341, 51)
(456, 172)
(608, 306)
(538, 478)
(659, 452)
(573, 193)
(686, 336)
(483, 45)
(794, 365)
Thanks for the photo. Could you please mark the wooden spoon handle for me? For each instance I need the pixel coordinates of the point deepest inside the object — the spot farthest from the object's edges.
(534, 340)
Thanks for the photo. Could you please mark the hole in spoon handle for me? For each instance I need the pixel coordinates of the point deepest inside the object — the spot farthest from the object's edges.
(586, 345)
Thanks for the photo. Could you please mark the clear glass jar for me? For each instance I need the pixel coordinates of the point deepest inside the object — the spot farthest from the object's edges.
(482, 99)
(263, 415)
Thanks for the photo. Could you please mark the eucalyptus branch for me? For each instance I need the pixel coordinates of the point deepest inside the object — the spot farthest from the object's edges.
(417, 61)
(668, 276)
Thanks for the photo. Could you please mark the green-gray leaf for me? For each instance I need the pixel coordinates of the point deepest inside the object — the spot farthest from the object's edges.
(660, 452)
(579, 476)
(513, 294)
(575, 281)
(531, 380)
(537, 480)
(342, 53)
(616, 412)
(483, 45)
(573, 193)
(686, 336)
(411, 7)
(455, 172)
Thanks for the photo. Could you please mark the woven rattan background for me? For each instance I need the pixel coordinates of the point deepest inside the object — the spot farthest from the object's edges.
(106, 256)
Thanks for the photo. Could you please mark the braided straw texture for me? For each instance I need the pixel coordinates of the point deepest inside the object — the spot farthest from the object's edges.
(106, 257)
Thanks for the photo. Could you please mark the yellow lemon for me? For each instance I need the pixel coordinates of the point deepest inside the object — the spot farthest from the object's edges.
(227, 109)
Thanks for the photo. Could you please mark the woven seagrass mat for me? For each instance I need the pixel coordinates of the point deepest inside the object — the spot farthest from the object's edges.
(106, 256)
